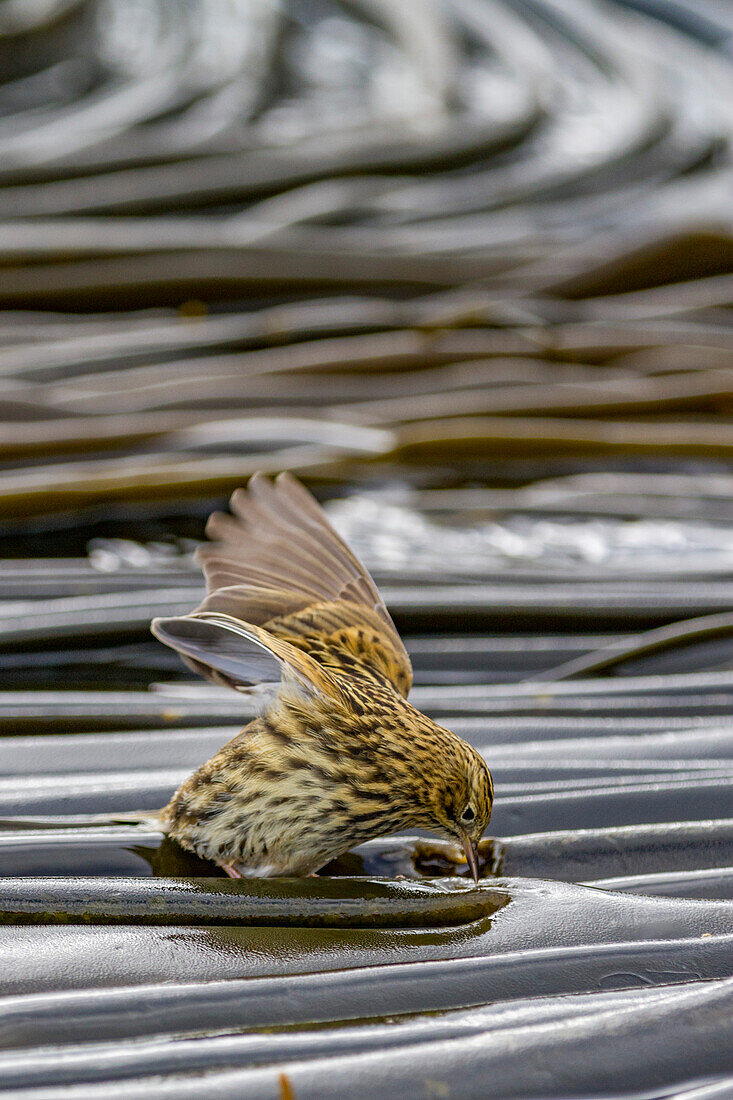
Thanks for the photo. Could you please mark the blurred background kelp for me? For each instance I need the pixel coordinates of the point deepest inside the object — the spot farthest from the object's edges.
(466, 268)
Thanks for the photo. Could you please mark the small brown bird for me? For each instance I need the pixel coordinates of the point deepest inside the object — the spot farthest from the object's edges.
(337, 756)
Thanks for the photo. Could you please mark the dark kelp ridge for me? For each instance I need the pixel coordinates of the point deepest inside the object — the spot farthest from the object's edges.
(466, 268)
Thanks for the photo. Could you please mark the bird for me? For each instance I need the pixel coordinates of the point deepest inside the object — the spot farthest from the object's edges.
(336, 755)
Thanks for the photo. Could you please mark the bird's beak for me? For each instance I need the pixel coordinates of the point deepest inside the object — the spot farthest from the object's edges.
(470, 847)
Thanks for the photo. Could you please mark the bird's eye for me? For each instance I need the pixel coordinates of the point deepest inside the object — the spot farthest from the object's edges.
(468, 814)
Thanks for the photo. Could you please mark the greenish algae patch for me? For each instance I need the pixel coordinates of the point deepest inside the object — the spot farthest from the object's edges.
(312, 902)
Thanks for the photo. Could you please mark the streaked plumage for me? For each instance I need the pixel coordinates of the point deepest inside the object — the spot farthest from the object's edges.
(338, 755)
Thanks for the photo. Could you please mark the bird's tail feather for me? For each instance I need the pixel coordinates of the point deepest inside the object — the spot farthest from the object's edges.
(151, 818)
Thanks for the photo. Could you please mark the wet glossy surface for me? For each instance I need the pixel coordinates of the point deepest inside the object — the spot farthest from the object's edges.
(466, 267)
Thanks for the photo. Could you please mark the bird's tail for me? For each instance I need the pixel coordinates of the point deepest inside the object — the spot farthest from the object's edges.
(153, 819)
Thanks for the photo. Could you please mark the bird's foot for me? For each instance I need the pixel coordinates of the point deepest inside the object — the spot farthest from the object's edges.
(231, 870)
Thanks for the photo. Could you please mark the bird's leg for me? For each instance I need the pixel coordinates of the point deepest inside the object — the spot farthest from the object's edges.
(231, 870)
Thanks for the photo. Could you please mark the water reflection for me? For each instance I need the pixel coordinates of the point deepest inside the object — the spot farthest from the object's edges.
(393, 537)
(522, 211)
(107, 851)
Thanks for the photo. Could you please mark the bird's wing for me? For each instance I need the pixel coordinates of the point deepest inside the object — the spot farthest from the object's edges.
(277, 563)
(242, 655)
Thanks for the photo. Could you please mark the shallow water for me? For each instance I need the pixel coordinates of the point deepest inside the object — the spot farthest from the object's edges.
(464, 267)
(609, 884)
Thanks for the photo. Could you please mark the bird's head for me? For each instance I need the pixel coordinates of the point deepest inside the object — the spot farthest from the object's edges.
(462, 799)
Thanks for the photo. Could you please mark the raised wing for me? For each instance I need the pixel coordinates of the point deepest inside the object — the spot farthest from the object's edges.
(276, 563)
(242, 655)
